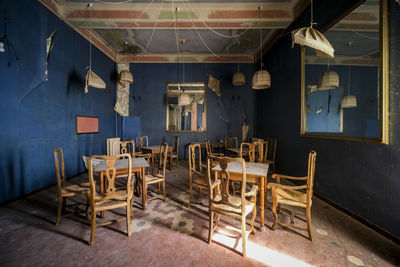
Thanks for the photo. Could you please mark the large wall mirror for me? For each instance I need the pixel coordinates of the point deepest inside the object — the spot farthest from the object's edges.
(186, 107)
(345, 97)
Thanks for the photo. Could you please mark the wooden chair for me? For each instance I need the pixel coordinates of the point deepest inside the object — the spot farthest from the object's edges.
(299, 195)
(140, 143)
(64, 190)
(128, 147)
(229, 142)
(222, 203)
(250, 153)
(210, 151)
(175, 151)
(197, 177)
(269, 152)
(113, 198)
(157, 178)
(259, 151)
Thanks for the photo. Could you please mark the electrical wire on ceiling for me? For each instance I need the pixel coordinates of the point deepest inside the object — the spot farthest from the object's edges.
(201, 38)
(366, 36)
(155, 25)
(217, 33)
(116, 3)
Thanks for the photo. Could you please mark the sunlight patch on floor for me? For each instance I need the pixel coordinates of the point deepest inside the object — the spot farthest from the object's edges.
(231, 237)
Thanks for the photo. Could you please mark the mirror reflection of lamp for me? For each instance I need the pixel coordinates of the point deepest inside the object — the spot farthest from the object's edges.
(349, 101)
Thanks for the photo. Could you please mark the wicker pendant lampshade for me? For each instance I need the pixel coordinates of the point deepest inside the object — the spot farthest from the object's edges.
(311, 37)
(348, 101)
(328, 80)
(125, 77)
(238, 78)
(184, 100)
(261, 80)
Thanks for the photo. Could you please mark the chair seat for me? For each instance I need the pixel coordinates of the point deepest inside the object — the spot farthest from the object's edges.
(224, 209)
(201, 181)
(291, 197)
(149, 178)
(111, 203)
(75, 189)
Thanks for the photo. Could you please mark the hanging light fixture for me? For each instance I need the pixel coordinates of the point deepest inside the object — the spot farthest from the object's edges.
(349, 101)
(311, 37)
(238, 77)
(261, 79)
(328, 80)
(125, 77)
(92, 79)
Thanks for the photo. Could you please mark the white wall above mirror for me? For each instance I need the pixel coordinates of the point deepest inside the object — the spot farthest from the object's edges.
(345, 97)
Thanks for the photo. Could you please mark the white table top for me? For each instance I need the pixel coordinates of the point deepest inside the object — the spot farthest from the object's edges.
(252, 168)
(122, 164)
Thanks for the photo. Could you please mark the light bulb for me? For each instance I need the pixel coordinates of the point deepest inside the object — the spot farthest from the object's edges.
(2, 50)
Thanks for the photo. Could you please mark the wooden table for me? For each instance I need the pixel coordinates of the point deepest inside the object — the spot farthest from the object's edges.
(121, 166)
(255, 173)
(154, 150)
(236, 151)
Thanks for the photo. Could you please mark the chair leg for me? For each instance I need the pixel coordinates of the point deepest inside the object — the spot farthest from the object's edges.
(159, 188)
(190, 195)
(274, 211)
(211, 227)
(253, 217)
(87, 207)
(59, 209)
(144, 196)
(128, 218)
(243, 236)
(308, 212)
(92, 226)
(163, 184)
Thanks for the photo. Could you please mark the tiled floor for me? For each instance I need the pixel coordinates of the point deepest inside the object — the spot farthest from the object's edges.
(169, 234)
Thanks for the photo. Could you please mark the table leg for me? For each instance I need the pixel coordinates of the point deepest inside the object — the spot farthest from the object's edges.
(144, 189)
(101, 190)
(262, 204)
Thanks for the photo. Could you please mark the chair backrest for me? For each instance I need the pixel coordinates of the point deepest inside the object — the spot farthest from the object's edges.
(128, 147)
(208, 148)
(195, 166)
(312, 156)
(259, 151)
(270, 150)
(110, 175)
(251, 151)
(175, 145)
(163, 159)
(238, 166)
(255, 139)
(229, 142)
(60, 172)
(140, 142)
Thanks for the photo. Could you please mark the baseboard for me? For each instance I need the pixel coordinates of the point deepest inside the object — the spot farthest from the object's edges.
(362, 220)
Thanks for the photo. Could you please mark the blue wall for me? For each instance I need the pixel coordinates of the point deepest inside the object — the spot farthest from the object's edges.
(363, 178)
(148, 101)
(37, 115)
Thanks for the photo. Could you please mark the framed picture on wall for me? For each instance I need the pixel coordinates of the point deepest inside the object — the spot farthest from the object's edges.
(87, 124)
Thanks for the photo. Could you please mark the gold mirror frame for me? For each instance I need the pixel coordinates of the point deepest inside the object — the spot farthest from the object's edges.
(204, 112)
(383, 101)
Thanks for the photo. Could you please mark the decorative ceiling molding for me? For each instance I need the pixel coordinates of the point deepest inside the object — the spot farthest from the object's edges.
(235, 18)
